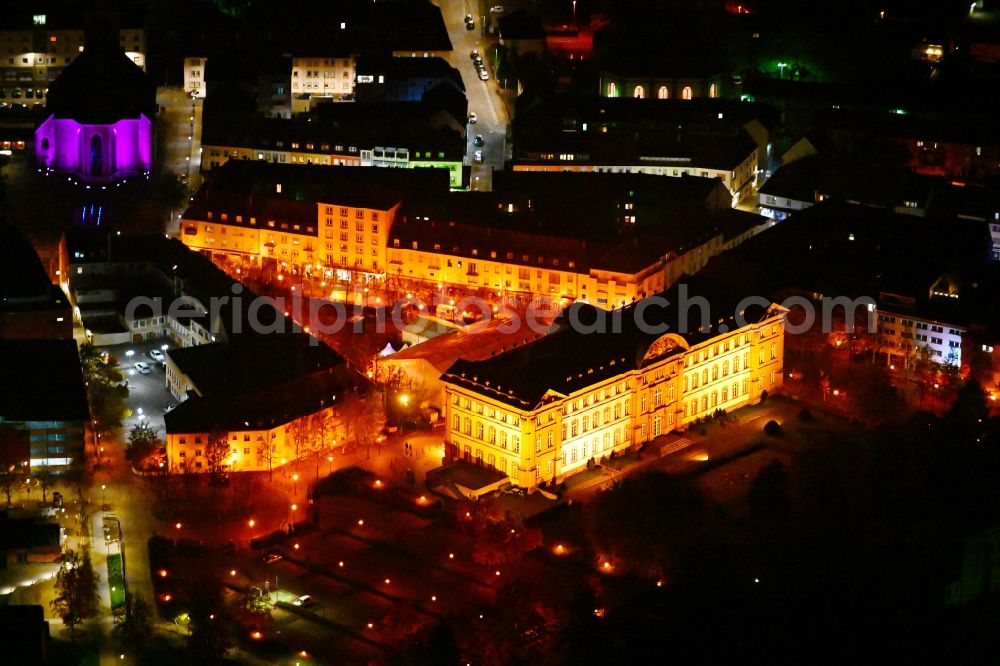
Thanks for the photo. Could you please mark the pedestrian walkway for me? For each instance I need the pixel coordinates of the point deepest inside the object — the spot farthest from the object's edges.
(677, 445)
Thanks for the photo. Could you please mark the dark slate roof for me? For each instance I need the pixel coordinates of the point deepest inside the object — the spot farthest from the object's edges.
(22, 276)
(405, 68)
(797, 180)
(253, 362)
(830, 176)
(554, 219)
(581, 351)
(841, 249)
(102, 86)
(61, 15)
(249, 184)
(417, 126)
(42, 381)
(679, 133)
(27, 533)
(264, 408)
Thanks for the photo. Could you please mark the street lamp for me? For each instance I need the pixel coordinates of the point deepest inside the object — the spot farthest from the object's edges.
(103, 496)
(251, 523)
(404, 400)
(781, 69)
(574, 12)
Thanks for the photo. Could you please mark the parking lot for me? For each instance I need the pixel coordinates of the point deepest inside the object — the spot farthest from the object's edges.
(148, 394)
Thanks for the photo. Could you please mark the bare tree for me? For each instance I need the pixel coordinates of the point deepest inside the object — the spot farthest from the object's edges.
(217, 452)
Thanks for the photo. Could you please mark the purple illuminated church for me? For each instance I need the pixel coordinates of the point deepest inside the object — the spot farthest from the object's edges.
(101, 111)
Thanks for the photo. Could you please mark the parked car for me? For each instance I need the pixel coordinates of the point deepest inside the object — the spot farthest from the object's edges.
(473, 118)
(156, 355)
(142, 368)
(474, 53)
(484, 75)
(271, 558)
(470, 23)
(169, 407)
(478, 156)
(305, 601)
(478, 141)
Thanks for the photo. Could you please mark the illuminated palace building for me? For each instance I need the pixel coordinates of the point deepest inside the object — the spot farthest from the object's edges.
(540, 412)
(607, 239)
(101, 109)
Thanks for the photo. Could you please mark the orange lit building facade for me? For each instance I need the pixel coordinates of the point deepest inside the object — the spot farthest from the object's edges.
(537, 432)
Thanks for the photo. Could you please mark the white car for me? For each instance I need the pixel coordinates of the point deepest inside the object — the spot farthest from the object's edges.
(156, 355)
(484, 75)
(142, 368)
(305, 601)
(473, 118)
(478, 156)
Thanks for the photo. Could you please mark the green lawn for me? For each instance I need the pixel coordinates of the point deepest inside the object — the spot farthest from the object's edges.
(116, 582)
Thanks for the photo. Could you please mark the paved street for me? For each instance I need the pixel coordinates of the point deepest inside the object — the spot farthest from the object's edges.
(483, 96)
(181, 143)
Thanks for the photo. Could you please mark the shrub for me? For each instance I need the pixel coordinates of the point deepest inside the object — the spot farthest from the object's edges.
(772, 428)
(805, 415)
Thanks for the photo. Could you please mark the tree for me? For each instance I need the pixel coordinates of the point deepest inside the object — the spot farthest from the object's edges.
(505, 541)
(211, 627)
(46, 480)
(363, 416)
(142, 443)
(76, 590)
(106, 394)
(653, 540)
(137, 628)
(9, 478)
(217, 452)
(768, 494)
(256, 609)
(970, 405)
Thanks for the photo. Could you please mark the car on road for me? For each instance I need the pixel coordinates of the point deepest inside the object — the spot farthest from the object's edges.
(470, 23)
(305, 601)
(473, 118)
(478, 141)
(271, 558)
(156, 355)
(474, 53)
(484, 75)
(142, 368)
(478, 156)
(497, 9)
